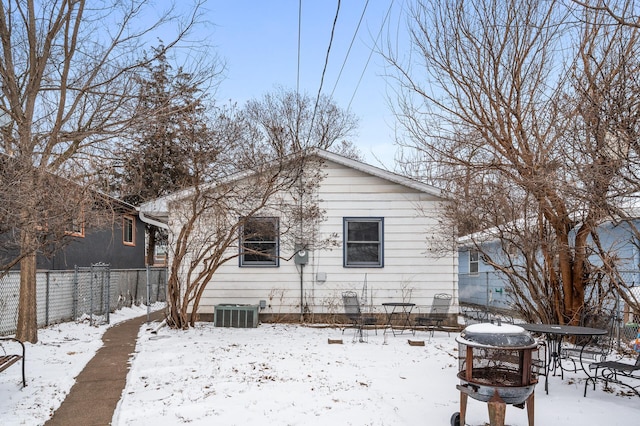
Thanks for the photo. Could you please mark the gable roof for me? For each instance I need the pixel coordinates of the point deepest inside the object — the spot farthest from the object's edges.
(157, 211)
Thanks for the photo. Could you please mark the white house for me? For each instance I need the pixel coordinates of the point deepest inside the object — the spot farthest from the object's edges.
(396, 220)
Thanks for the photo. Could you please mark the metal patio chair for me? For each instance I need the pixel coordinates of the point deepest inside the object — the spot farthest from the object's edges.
(595, 348)
(622, 373)
(437, 315)
(357, 317)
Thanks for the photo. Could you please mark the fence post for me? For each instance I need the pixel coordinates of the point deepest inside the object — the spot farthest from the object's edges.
(91, 295)
(134, 296)
(107, 299)
(148, 295)
(46, 301)
(74, 308)
(618, 320)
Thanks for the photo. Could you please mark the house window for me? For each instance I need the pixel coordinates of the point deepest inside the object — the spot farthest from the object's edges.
(160, 254)
(259, 242)
(77, 226)
(363, 243)
(473, 262)
(128, 230)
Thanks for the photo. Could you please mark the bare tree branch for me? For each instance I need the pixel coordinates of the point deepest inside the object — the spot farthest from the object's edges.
(528, 112)
(68, 73)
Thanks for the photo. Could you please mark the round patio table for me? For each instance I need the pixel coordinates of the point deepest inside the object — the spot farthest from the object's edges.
(554, 334)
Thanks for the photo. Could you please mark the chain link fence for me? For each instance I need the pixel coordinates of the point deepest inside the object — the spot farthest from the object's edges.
(488, 292)
(485, 289)
(88, 293)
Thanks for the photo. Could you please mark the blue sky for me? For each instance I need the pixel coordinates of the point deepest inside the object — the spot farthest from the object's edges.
(258, 40)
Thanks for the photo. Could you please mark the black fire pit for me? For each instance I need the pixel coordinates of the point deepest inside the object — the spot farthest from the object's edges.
(495, 366)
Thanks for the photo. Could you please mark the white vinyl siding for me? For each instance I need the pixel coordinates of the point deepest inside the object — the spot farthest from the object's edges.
(415, 265)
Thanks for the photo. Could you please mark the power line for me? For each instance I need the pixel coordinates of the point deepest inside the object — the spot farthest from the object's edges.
(324, 69)
(297, 141)
(299, 31)
(349, 50)
(370, 54)
(326, 59)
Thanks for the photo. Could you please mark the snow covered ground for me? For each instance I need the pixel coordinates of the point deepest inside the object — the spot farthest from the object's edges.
(51, 367)
(284, 375)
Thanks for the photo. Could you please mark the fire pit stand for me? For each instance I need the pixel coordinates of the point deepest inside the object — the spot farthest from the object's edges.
(495, 366)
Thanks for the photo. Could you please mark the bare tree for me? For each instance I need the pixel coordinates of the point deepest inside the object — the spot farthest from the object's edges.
(236, 189)
(624, 13)
(65, 210)
(347, 149)
(524, 110)
(259, 175)
(208, 219)
(68, 71)
(290, 121)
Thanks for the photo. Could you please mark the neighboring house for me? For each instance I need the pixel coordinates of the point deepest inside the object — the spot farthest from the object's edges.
(119, 243)
(386, 227)
(119, 240)
(481, 284)
(93, 227)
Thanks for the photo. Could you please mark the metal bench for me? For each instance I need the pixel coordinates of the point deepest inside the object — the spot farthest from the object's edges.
(8, 359)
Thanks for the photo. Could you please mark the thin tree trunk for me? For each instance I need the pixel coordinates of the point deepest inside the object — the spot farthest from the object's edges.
(27, 328)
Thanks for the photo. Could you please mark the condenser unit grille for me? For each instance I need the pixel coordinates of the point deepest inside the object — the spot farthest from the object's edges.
(238, 316)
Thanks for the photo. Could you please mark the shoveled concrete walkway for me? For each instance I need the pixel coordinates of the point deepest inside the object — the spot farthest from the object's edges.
(93, 398)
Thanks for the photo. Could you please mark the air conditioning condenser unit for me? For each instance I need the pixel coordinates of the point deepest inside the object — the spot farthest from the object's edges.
(237, 316)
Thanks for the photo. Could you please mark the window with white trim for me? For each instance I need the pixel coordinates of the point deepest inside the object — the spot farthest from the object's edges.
(363, 242)
(474, 262)
(259, 242)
